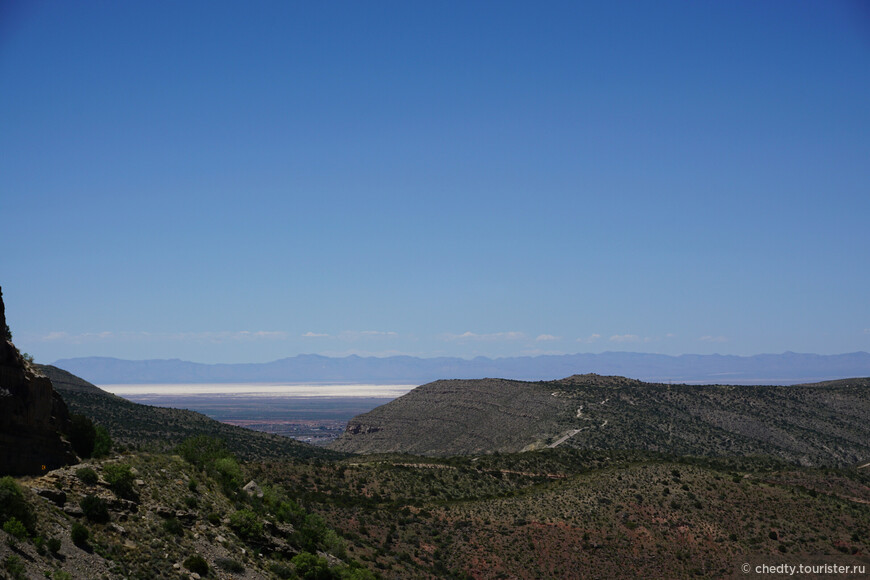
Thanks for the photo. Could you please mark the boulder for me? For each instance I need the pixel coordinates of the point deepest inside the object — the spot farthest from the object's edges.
(164, 512)
(73, 510)
(55, 496)
(252, 489)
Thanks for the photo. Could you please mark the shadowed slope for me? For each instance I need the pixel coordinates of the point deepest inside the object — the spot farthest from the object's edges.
(162, 428)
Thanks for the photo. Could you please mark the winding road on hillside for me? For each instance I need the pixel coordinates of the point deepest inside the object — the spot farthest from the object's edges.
(568, 435)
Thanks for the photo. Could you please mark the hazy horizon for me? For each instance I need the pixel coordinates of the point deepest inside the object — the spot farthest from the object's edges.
(264, 390)
(218, 181)
(787, 368)
(466, 358)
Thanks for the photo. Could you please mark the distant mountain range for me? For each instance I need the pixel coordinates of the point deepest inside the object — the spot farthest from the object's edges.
(786, 368)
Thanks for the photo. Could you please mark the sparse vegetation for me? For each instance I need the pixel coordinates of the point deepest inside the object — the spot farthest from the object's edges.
(13, 504)
(102, 442)
(282, 570)
(527, 515)
(197, 564)
(95, 509)
(120, 480)
(15, 567)
(53, 545)
(311, 567)
(79, 534)
(247, 525)
(87, 475)
(230, 565)
(545, 513)
(469, 417)
(227, 472)
(15, 529)
(173, 526)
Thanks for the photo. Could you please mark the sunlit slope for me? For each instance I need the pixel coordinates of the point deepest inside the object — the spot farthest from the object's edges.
(458, 417)
(814, 424)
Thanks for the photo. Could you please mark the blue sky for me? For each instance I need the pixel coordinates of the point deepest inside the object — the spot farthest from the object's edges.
(244, 181)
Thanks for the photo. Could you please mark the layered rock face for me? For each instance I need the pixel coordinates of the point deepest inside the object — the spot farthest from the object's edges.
(32, 415)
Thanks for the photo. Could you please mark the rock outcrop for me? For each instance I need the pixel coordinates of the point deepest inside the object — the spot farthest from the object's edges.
(32, 415)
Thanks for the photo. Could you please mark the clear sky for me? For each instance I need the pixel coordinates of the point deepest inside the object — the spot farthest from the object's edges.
(244, 181)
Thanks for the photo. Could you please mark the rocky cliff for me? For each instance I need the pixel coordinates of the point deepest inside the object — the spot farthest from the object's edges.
(32, 415)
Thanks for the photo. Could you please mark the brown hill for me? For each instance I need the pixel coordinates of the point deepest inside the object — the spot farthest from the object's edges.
(813, 424)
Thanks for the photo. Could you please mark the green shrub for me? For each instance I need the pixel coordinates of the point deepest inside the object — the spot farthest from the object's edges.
(102, 442)
(120, 480)
(79, 534)
(95, 509)
(62, 575)
(39, 544)
(211, 455)
(229, 565)
(289, 511)
(173, 526)
(246, 524)
(53, 545)
(202, 450)
(87, 475)
(282, 571)
(197, 564)
(333, 543)
(357, 574)
(14, 566)
(227, 472)
(312, 532)
(311, 567)
(15, 529)
(214, 518)
(82, 435)
(13, 504)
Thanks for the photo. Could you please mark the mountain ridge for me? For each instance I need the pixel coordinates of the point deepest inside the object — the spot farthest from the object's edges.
(808, 424)
(784, 368)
